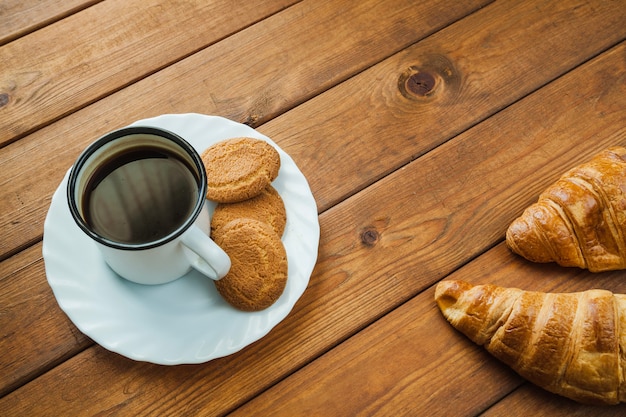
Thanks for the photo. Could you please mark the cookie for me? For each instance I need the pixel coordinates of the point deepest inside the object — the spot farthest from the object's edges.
(239, 168)
(267, 207)
(258, 272)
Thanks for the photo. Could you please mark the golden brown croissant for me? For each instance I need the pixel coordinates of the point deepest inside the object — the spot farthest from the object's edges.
(570, 344)
(580, 220)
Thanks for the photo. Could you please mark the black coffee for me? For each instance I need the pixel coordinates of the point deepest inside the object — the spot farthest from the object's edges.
(140, 196)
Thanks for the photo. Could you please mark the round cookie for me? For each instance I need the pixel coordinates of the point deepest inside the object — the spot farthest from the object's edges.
(258, 272)
(239, 168)
(267, 207)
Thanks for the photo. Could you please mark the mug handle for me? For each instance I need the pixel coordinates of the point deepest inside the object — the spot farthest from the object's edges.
(204, 255)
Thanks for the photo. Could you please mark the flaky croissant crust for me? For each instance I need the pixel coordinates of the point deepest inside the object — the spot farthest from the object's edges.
(572, 344)
(580, 220)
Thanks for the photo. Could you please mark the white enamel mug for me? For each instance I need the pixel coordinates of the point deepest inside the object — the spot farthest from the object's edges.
(139, 194)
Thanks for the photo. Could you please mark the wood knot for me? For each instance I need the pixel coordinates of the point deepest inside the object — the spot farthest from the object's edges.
(370, 236)
(252, 120)
(4, 99)
(433, 76)
(420, 84)
(416, 83)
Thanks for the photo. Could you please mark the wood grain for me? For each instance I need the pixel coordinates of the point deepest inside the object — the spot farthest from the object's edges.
(19, 17)
(206, 83)
(387, 369)
(446, 217)
(67, 65)
(532, 401)
(422, 140)
(412, 362)
(36, 334)
(449, 209)
(480, 65)
(418, 125)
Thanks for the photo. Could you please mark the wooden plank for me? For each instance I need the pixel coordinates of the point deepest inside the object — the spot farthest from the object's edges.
(47, 173)
(448, 215)
(403, 34)
(19, 17)
(412, 362)
(464, 178)
(79, 59)
(206, 83)
(448, 209)
(531, 401)
(480, 65)
(36, 335)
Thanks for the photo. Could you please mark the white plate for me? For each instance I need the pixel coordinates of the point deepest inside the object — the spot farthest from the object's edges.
(185, 321)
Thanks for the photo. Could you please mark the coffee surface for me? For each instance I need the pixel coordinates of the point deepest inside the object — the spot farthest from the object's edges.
(140, 196)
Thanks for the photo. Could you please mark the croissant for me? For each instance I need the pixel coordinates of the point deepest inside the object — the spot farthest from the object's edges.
(571, 344)
(580, 220)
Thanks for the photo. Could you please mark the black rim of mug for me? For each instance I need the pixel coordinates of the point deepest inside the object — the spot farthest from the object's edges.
(117, 134)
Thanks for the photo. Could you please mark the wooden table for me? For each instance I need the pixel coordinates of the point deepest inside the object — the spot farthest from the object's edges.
(424, 128)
